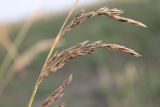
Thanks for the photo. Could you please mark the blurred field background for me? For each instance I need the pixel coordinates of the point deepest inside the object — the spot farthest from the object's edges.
(105, 79)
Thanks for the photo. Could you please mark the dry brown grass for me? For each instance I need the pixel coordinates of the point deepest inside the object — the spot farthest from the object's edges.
(58, 60)
(59, 35)
(57, 93)
(104, 11)
(85, 48)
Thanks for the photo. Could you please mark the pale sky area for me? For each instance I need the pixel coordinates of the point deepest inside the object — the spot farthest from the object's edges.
(14, 10)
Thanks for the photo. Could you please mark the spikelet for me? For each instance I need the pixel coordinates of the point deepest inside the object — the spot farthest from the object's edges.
(58, 60)
(85, 48)
(104, 11)
(57, 94)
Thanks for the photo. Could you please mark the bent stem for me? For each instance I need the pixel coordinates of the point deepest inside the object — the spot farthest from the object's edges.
(50, 53)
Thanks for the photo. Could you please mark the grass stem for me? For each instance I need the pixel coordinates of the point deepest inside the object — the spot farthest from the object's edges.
(50, 53)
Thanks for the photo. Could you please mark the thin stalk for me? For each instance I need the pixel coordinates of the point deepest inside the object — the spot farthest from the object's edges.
(34, 93)
(17, 42)
(50, 53)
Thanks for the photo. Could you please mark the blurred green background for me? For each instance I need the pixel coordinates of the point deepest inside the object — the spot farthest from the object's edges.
(105, 79)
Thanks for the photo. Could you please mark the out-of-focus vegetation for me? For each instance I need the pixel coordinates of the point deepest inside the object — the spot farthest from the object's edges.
(107, 79)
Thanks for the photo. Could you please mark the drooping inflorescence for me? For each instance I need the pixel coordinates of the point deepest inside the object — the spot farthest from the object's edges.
(58, 60)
